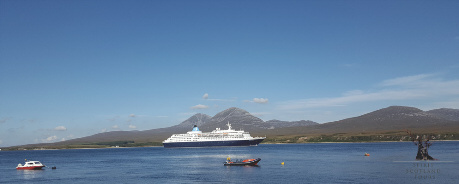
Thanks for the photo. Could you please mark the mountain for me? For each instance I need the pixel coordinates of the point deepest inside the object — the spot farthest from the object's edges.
(197, 119)
(382, 121)
(241, 119)
(238, 118)
(445, 113)
(281, 124)
(153, 135)
(393, 118)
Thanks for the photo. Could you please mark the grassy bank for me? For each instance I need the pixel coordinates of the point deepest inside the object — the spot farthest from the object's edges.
(337, 137)
(396, 136)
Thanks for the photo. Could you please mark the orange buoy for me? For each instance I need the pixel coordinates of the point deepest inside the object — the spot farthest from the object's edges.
(367, 154)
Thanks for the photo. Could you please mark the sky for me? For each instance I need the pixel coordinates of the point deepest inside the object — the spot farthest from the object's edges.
(70, 69)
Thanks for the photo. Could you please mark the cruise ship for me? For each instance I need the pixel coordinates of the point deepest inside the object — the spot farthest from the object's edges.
(217, 137)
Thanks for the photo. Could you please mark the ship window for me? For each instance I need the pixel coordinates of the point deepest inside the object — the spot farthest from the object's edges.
(37, 162)
(29, 163)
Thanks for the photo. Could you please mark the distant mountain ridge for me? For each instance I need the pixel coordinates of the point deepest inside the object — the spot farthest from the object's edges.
(445, 113)
(393, 118)
(280, 124)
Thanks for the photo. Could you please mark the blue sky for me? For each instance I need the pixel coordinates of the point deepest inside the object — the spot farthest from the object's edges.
(70, 69)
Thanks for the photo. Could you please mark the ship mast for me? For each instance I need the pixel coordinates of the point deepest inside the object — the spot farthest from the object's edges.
(229, 126)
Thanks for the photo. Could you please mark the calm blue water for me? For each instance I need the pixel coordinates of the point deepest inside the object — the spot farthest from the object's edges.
(304, 163)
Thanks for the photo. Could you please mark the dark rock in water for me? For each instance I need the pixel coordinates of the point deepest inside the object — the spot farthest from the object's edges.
(423, 153)
(53, 167)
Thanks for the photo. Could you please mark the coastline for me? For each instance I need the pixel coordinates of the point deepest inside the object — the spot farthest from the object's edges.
(112, 147)
(356, 142)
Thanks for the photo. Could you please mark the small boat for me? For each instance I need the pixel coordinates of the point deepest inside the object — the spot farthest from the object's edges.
(30, 165)
(250, 162)
(367, 154)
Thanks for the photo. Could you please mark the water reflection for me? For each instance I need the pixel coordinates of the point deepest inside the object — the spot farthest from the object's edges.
(223, 156)
(29, 174)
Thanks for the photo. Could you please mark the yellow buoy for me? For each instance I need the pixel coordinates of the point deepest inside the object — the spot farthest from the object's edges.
(282, 163)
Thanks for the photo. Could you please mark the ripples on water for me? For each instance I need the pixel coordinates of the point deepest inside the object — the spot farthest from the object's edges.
(304, 163)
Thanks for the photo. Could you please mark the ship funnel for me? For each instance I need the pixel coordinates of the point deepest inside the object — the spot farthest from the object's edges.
(195, 128)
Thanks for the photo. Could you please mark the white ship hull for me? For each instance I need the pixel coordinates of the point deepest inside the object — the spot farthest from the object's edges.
(253, 142)
(217, 137)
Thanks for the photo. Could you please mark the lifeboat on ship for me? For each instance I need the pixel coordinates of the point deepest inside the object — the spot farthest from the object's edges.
(30, 165)
(248, 162)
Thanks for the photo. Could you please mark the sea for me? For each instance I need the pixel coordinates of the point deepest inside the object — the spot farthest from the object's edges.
(389, 162)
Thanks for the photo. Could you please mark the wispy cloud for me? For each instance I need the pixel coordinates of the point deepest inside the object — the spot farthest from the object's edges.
(132, 115)
(4, 120)
(115, 118)
(50, 139)
(199, 106)
(408, 81)
(450, 103)
(187, 113)
(222, 100)
(347, 99)
(403, 88)
(60, 128)
(260, 100)
(206, 97)
(259, 114)
(132, 126)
